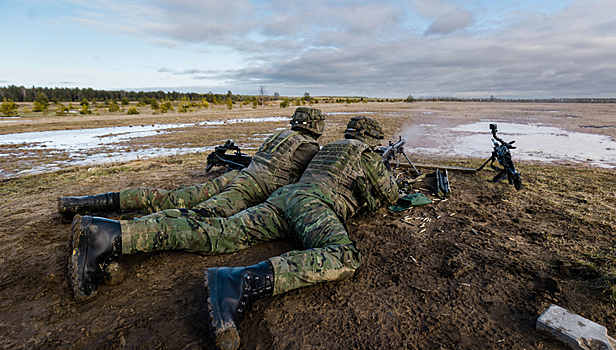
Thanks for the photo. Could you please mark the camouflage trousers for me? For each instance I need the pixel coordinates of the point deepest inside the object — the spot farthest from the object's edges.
(155, 200)
(301, 213)
(328, 255)
(241, 193)
(185, 229)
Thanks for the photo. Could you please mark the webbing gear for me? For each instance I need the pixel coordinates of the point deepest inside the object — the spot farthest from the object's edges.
(264, 146)
(283, 140)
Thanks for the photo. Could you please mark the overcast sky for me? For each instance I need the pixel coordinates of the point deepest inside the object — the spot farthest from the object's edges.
(463, 48)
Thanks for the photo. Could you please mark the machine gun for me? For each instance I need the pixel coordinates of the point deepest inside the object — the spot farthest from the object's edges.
(502, 154)
(437, 181)
(237, 160)
(391, 152)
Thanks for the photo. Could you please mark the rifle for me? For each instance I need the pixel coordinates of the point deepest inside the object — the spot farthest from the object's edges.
(237, 160)
(502, 154)
(391, 152)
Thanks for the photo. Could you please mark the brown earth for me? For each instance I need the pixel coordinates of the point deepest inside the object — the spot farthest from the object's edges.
(476, 279)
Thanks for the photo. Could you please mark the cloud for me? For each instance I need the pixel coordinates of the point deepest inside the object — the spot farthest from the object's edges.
(189, 71)
(385, 48)
(168, 22)
(451, 21)
(433, 8)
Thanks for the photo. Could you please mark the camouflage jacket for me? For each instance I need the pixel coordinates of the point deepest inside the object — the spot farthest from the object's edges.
(282, 159)
(334, 173)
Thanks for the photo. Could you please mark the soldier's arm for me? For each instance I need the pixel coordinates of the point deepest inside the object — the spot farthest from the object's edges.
(383, 183)
(302, 156)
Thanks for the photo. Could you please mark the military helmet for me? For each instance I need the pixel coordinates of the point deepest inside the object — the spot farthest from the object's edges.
(364, 129)
(309, 119)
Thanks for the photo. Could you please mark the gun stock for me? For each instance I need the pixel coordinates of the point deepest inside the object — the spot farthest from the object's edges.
(219, 157)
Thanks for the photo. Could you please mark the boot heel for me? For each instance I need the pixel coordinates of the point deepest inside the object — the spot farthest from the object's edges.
(231, 292)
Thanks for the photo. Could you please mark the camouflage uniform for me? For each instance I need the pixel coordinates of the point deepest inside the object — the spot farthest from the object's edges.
(311, 211)
(184, 229)
(154, 200)
(279, 161)
(317, 207)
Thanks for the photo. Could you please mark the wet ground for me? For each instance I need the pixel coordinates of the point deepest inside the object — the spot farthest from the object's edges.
(533, 141)
(477, 276)
(549, 133)
(36, 152)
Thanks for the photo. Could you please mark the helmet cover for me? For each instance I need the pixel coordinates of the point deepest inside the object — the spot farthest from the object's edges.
(309, 119)
(364, 129)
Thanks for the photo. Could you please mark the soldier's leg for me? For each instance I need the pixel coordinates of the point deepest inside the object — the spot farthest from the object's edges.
(98, 242)
(244, 192)
(155, 200)
(149, 200)
(329, 253)
(184, 229)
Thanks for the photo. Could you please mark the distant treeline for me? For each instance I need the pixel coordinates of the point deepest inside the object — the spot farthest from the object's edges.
(536, 100)
(23, 94)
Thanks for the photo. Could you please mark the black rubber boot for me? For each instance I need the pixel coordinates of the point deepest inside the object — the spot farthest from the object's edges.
(68, 207)
(96, 242)
(232, 291)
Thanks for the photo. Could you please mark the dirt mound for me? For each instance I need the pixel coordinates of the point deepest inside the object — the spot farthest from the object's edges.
(472, 280)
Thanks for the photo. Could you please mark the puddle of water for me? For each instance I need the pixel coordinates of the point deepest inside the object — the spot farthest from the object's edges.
(95, 146)
(343, 113)
(109, 157)
(85, 139)
(534, 141)
(13, 120)
(596, 127)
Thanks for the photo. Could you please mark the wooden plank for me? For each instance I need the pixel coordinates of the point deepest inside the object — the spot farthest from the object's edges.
(434, 166)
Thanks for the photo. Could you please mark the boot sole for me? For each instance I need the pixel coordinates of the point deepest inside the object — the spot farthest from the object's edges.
(66, 215)
(76, 261)
(67, 218)
(225, 333)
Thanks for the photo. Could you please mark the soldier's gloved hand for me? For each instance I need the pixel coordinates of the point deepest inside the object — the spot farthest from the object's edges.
(363, 189)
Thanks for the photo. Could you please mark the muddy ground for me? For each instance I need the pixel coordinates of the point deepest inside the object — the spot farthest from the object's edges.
(476, 279)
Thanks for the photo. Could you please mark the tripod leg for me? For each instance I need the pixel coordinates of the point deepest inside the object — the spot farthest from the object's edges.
(500, 176)
(411, 163)
(484, 164)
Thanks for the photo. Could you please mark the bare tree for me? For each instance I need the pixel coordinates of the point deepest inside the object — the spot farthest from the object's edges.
(262, 93)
